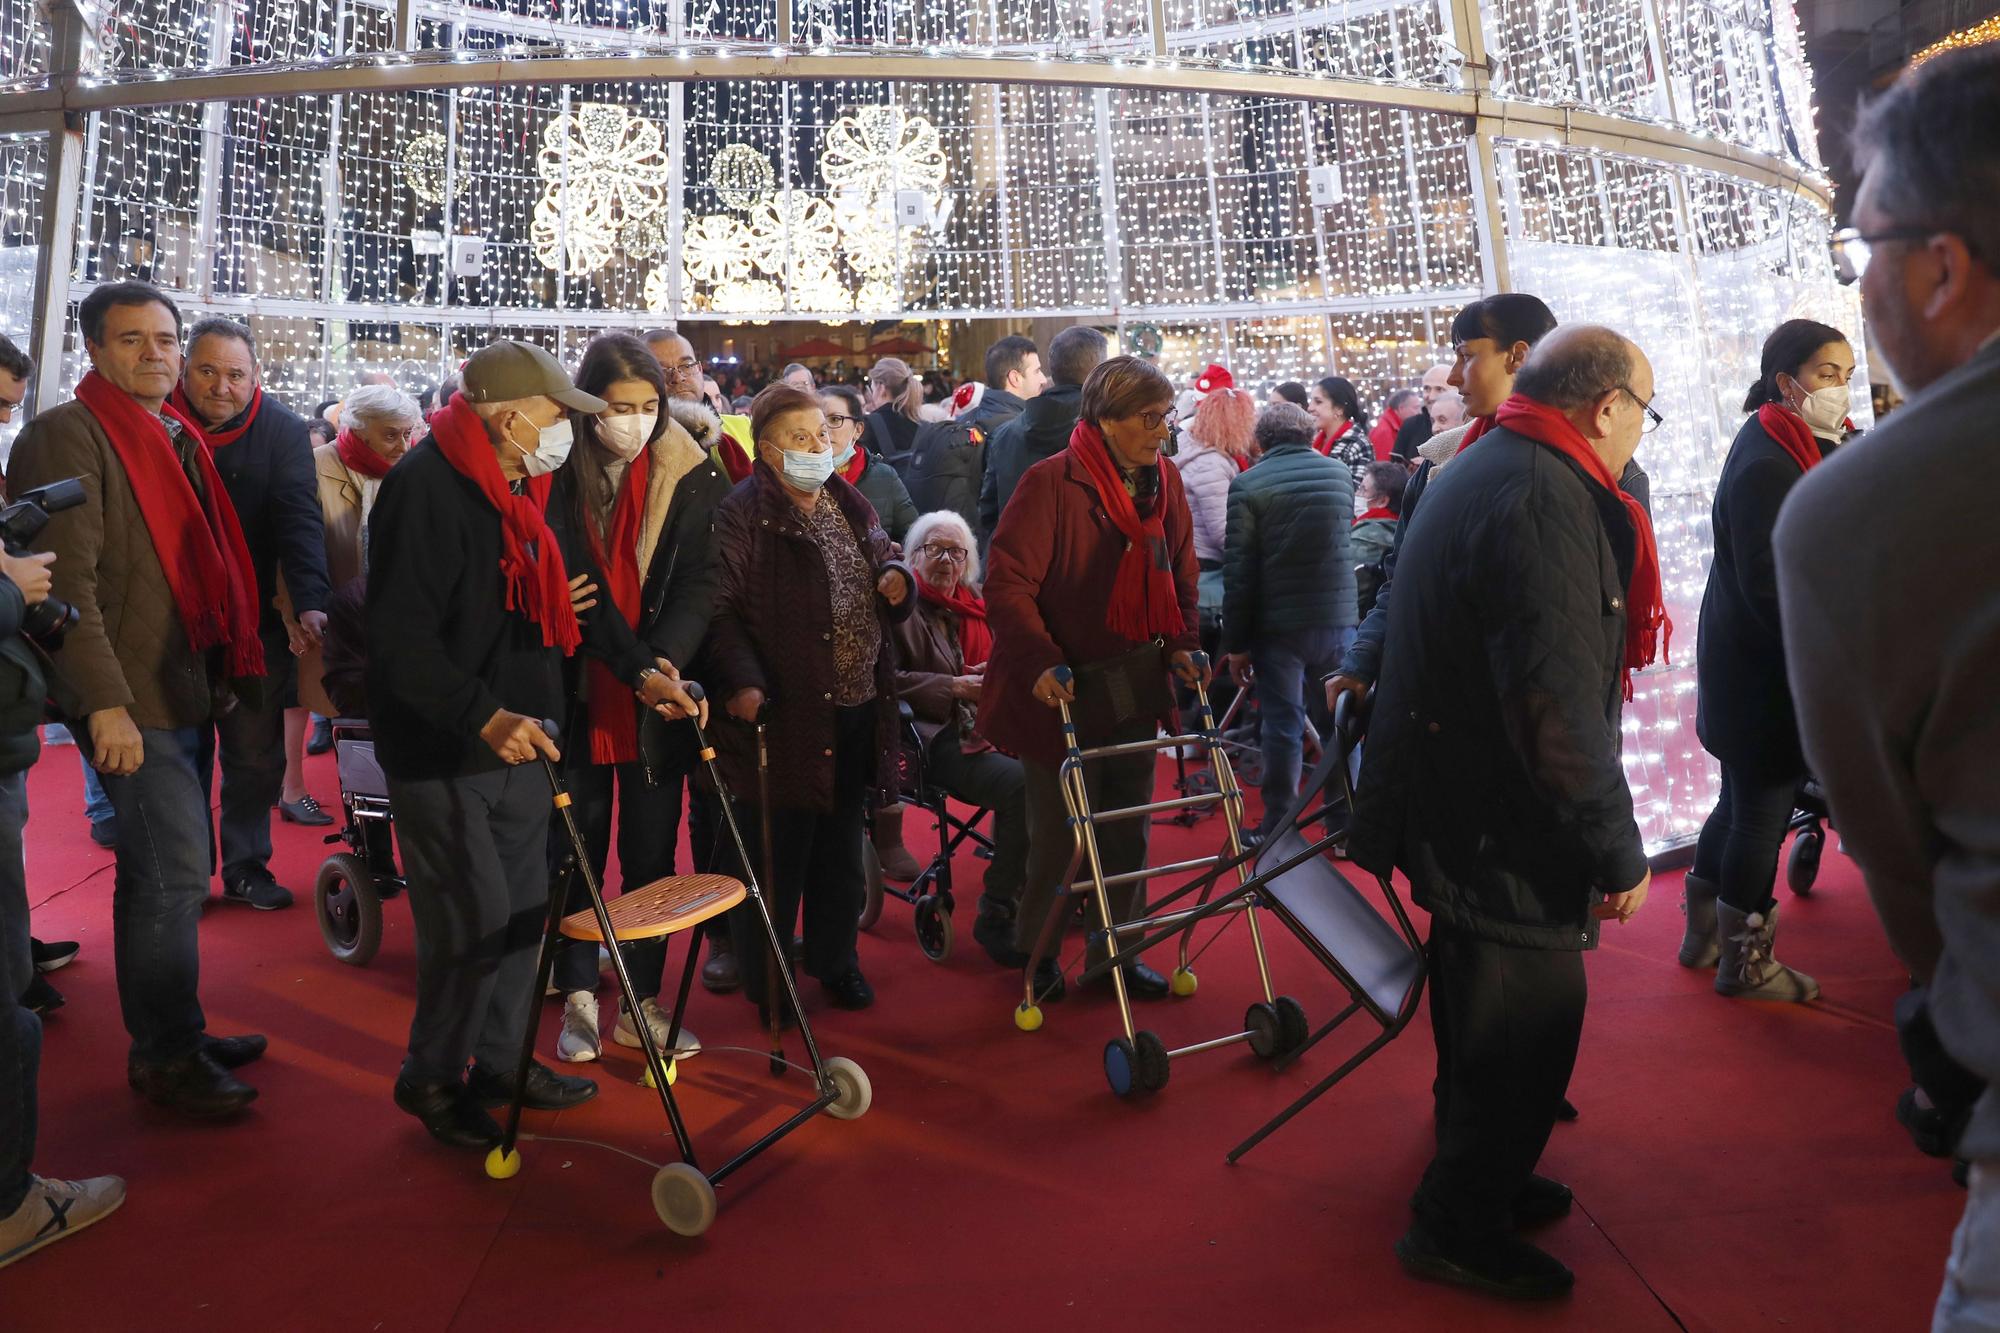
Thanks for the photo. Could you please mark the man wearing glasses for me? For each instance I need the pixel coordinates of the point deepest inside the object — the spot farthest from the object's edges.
(1892, 662)
(725, 437)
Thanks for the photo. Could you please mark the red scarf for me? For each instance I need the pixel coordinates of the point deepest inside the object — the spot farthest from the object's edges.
(537, 584)
(197, 537)
(1144, 604)
(851, 474)
(614, 725)
(1379, 511)
(1323, 443)
(975, 640)
(1788, 428)
(1647, 629)
(216, 438)
(1383, 437)
(359, 458)
(1480, 425)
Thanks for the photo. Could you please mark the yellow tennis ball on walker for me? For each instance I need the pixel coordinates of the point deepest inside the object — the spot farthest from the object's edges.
(503, 1165)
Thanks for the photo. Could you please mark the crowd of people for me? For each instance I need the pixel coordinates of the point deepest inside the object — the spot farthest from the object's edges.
(1070, 529)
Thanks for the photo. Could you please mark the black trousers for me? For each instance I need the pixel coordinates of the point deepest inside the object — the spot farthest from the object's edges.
(648, 828)
(817, 870)
(1506, 1021)
(1738, 849)
(995, 781)
(1117, 783)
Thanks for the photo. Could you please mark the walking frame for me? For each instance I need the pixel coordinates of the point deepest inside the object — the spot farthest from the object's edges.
(683, 1193)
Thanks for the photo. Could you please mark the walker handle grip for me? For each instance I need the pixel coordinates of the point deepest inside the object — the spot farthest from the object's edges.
(552, 729)
(1064, 676)
(1199, 658)
(1350, 719)
(694, 690)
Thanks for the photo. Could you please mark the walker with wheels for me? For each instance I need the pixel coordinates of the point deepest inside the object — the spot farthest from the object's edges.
(683, 1192)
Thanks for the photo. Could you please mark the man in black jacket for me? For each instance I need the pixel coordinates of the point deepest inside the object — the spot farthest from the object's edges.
(1492, 780)
(264, 456)
(468, 622)
(1043, 428)
(1014, 378)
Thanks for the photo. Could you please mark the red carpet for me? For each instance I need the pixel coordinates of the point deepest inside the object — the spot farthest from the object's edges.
(1737, 1165)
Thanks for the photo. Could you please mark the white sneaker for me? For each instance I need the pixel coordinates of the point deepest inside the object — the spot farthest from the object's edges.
(54, 1209)
(579, 1042)
(627, 1035)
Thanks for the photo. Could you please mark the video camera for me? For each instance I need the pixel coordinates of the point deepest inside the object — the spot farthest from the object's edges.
(20, 523)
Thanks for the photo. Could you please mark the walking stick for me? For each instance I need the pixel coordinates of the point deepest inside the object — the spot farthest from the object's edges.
(781, 952)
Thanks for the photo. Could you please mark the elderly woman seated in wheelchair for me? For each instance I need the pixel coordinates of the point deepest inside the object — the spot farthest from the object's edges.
(943, 650)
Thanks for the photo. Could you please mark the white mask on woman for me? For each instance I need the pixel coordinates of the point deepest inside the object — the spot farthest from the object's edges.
(1825, 410)
(627, 436)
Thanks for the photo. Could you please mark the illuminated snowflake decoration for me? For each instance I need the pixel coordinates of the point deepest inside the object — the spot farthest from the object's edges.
(880, 149)
(867, 226)
(821, 293)
(878, 295)
(602, 170)
(741, 177)
(748, 297)
(792, 230)
(659, 291)
(422, 168)
(716, 248)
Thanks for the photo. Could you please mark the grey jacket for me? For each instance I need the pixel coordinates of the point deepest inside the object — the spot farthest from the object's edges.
(1892, 665)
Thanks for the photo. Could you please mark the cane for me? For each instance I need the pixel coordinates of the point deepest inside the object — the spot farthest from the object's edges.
(781, 940)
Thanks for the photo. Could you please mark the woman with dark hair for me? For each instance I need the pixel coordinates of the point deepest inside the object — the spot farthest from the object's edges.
(1092, 567)
(895, 409)
(880, 485)
(809, 592)
(1291, 391)
(638, 496)
(1343, 426)
(1743, 707)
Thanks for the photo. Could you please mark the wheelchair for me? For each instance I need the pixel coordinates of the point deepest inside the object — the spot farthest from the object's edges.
(352, 885)
(1810, 816)
(930, 893)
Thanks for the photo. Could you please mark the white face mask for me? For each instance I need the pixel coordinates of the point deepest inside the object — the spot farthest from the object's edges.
(843, 458)
(1825, 410)
(552, 445)
(626, 436)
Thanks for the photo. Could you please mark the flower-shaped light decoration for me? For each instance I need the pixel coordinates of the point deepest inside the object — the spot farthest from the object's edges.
(748, 297)
(867, 225)
(879, 150)
(658, 292)
(795, 232)
(602, 169)
(820, 292)
(741, 177)
(422, 167)
(716, 248)
(879, 296)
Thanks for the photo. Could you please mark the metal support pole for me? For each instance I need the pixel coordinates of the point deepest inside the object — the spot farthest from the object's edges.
(1107, 194)
(676, 193)
(1002, 222)
(1490, 222)
(784, 22)
(214, 129)
(55, 258)
(1214, 207)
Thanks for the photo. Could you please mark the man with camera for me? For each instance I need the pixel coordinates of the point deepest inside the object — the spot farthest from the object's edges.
(34, 1211)
(155, 564)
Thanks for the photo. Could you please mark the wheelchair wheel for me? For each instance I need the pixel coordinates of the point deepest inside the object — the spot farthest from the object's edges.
(1802, 865)
(871, 879)
(349, 909)
(933, 923)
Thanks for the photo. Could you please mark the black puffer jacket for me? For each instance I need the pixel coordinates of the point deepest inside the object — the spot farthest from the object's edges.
(1287, 561)
(1491, 775)
(1041, 431)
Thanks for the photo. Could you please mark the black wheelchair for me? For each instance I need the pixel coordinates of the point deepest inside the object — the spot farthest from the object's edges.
(352, 885)
(1810, 816)
(930, 893)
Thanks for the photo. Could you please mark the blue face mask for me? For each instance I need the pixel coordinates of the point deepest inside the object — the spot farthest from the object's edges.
(806, 472)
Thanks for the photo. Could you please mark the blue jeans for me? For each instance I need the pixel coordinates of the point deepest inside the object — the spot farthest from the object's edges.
(162, 883)
(1283, 664)
(20, 1030)
(96, 805)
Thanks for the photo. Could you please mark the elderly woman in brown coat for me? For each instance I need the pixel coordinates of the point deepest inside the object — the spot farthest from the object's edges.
(802, 622)
(1092, 567)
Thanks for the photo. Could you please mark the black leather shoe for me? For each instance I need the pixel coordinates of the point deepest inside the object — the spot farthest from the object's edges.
(322, 737)
(449, 1114)
(995, 934)
(547, 1090)
(849, 990)
(194, 1085)
(266, 895)
(40, 996)
(48, 956)
(1050, 987)
(1499, 1265)
(719, 975)
(234, 1052)
(1143, 983)
(1541, 1200)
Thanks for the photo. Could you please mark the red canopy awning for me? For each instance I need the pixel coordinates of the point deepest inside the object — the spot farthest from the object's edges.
(898, 347)
(813, 347)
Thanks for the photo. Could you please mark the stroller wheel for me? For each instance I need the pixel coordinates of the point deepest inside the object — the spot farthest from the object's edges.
(1802, 865)
(871, 880)
(349, 908)
(684, 1199)
(1266, 1031)
(933, 923)
(1292, 1027)
(851, 1082)
(1028, 1017)
(503, 1166)
(1184, 982)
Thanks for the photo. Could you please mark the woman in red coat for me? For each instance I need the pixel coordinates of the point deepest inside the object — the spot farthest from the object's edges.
(1092, 567)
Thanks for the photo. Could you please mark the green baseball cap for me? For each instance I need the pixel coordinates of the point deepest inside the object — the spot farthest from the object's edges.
(505, 370)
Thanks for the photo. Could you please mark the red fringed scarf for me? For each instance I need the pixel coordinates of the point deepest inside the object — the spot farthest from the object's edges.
(1788, 428)
(1323, 443)
(1144, 604)
(358, 457)
(197, 537)
(614, 725)
(216, 438)
(975, 639)
(851, 474)
(537, 584)
(1648, 632)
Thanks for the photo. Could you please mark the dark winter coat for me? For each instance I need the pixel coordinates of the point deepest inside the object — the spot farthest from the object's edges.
(271, 479)
(1491, 775)
(996, 408)
(882, 487)
(928, 658)
(23, 685)
(1287, 562)
(773, 631)
(1041, 431)
(1048, 591)
(1743, 708)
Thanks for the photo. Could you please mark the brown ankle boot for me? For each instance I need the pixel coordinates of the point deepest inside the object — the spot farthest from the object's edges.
(896, 861)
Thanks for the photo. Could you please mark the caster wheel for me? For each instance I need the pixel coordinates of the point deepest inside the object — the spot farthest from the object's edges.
(673, 1075)
(1292, 1028)
(502, 1166)
(1154, 1066)
(1802, 865)
(871, 880)
(349, 909)
(1265, 1028)
(851, 1082)
(1028, 1017)
(1121, 1067)
(933, 923)
(684, 1199)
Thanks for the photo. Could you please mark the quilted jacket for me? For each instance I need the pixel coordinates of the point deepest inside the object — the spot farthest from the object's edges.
(1491, 775)
(882, 487)
(1287, 562)
(1205, 476)
(773, 631)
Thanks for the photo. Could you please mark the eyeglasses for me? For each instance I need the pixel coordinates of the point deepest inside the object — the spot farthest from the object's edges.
(1852, 250)
(1152, 420)
(836, 420)
(1653, 419)
(955, 554)
(678, 368)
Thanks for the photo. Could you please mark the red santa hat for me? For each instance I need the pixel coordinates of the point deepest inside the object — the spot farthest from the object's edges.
(967, 397)
(1213, 378)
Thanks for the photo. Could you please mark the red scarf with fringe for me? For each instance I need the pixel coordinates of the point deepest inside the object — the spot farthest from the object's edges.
(197, 537)
(614, 723)
(1144, 604)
